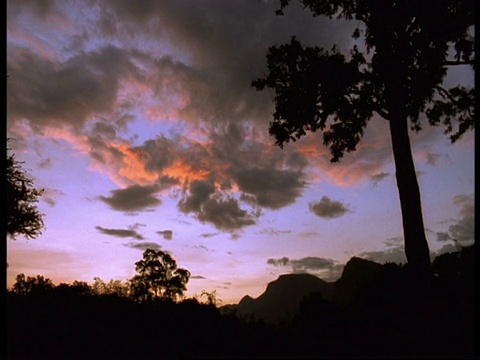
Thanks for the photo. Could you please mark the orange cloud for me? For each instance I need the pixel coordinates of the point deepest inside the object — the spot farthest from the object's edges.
(133, 167)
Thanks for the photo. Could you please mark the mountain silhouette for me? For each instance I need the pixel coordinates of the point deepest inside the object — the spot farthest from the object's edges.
(281, 300)
(357, 275)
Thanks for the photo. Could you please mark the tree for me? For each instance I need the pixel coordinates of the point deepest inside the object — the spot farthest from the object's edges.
(409, 46)
(158, 277)
(113, 287)
(31, 285)
(23, 217)
(211, 298)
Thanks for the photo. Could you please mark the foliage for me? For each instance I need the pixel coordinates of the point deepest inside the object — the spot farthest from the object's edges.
(158, 277)
(32, 285)
(65, 324)
(23, 217)
(410, 42)
(113, 287)
(456, 266)
(408, 49)
(211, 297)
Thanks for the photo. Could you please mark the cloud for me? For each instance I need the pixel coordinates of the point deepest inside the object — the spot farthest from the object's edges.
(132, 198)
(275, 232)
(167, 234)
(272, 188)
(443, 236)
(308, 234)
(197, 277)
(432, 158)
(50, 196)
(45, 163)
(203, 247)
(143, 246)
(200, 192)
(194, 93)
(84, 85)
(303, 264)
(121, 233)
(136, 226)
(311, 263)
(284, 261)
(327, 269)
(462, 231)
(392, 255)
(328, 209)
(378, 177)
(208, 235)
(209, 206)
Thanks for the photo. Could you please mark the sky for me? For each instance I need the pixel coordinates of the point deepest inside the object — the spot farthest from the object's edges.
(139, 121)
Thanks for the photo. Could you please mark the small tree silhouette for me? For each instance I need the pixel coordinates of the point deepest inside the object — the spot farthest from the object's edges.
(158, 277)
(23, 217)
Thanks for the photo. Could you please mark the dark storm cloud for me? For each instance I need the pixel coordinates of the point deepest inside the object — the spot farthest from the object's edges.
(132, 198)
(228, 55)
(328, 209)
(143, 246)
(121, 233)
(161, 153)
(108, 131)
(267, 177)
(225, 214)
(82, 86)
(167, 234)
(211, 207)
(272, 188)
(199, 193)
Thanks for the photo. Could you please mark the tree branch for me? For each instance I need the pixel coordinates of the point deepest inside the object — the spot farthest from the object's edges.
(381, 112)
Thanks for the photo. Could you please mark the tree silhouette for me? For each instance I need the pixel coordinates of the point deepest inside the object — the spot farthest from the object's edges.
(408, 49)
(113, 287)
(158, 277)
(31, 285)
(23, 217)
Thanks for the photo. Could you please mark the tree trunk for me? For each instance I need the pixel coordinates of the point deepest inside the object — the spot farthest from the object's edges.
(416, 246)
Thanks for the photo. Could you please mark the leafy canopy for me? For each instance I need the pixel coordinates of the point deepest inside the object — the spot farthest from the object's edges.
(158, 277)
(409, 45)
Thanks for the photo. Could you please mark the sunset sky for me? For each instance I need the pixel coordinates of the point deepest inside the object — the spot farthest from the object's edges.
(139, 121)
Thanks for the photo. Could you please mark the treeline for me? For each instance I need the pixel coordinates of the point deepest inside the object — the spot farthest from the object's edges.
(389, 316)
